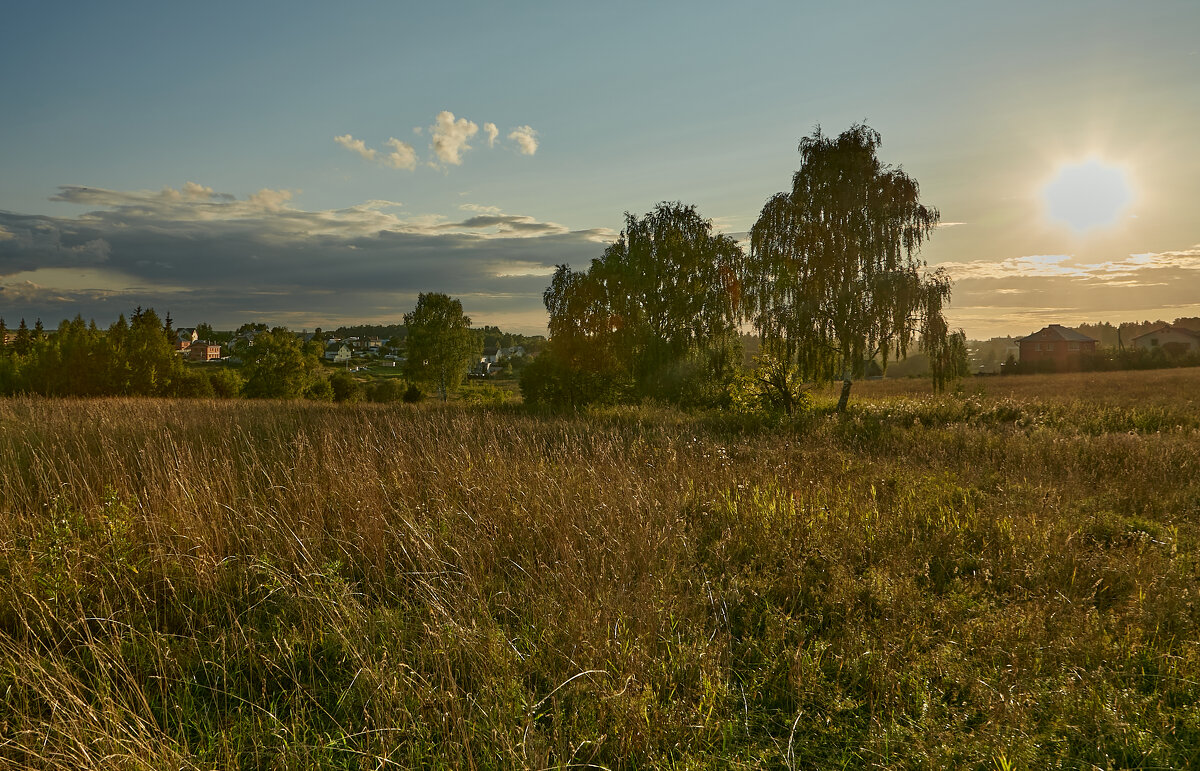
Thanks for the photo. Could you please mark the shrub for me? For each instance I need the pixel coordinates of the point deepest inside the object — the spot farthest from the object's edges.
(386, 390)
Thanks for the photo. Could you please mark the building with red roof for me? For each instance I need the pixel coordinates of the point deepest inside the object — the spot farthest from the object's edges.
(1055, 347)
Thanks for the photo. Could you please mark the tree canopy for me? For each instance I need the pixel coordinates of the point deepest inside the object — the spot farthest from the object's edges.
(660, 297)
(833, 278)
(440, 343)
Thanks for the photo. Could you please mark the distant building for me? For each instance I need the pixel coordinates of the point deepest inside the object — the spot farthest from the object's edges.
(203, 350)
(184, 339)
(1175, 340)
(1056, 345)
(337, 352)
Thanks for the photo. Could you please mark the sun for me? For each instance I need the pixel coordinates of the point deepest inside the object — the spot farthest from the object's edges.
(1088, 195)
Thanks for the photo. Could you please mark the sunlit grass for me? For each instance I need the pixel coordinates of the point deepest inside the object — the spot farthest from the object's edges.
(1005, 576)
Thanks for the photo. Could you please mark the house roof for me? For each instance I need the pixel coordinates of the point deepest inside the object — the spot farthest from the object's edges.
(1169, 328)
(1058, 332)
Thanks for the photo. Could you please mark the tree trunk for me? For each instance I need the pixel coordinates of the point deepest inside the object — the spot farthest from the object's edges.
(845, 397)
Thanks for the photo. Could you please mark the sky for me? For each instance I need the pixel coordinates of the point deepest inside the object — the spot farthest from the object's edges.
(306, 164)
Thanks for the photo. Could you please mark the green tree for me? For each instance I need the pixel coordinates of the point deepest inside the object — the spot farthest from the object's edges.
(656, 309)
(4, 347)
(276, 366)
(440, 344)
(833, 278)
(152, 364)
(23, 341)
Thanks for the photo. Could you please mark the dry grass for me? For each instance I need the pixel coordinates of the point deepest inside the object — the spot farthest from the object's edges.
(984, 581)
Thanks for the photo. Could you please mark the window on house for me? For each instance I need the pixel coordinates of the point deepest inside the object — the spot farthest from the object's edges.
(1049, 346)
(1072, 346)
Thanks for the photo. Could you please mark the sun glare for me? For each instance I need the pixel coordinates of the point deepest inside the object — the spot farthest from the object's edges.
(1088, 195)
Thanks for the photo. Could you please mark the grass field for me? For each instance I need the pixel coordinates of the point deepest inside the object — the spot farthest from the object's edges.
(1004, 578)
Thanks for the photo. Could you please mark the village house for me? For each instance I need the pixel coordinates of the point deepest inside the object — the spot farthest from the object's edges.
(184, 339)
(203, 350)
(1175, 340)
(1056, 345)
(337, 352)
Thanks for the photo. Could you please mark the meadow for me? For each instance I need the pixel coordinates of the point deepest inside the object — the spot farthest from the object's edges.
(1006, 577)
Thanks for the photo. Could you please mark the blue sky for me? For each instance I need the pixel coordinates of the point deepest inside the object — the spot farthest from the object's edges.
(185, 156)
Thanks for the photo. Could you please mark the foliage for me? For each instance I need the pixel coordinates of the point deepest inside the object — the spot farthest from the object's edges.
(947, 358)
(440, 343)
(346, 388)
(555, 380)
(412, 394)
(485, 395)
(656, 310)
(387, 390)
(833, 279)
(773, 383)
(276, 365)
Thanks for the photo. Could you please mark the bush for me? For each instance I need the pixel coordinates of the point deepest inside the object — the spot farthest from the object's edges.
(386, 391)
(226, 383)
(319, 391)
(486, 395)
(346, 388)
(193, 384)
(413, 394)
(550, 381)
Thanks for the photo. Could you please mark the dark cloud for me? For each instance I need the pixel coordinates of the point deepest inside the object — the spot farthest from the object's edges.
(213, 258)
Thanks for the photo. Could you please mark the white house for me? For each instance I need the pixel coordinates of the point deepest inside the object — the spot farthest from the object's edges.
(337, 352)
(1173, 339)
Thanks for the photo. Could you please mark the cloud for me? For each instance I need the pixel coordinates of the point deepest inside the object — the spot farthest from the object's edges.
(270, 200)
(526, 139)
(508, 224)
(356, 145)
(448, 137)
(205, 255)
(402, 156)
(480, 209)
(1061, 265)
(449, 140)
(1006, 297)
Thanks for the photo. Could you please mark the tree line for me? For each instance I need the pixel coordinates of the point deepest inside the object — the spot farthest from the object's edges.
(832, 282)
(137, 357)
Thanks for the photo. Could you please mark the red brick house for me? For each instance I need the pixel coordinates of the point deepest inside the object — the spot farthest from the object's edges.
(1055, 347)
(184, 339)
(202, 350)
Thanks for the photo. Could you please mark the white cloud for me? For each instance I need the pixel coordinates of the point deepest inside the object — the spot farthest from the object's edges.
(356, 145)
(477, 208)
(492, 132)
(402, 156)
(449, 137)
(526, 139)
(270, 200)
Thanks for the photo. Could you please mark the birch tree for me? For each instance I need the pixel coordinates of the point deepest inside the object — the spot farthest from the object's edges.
(834, 278)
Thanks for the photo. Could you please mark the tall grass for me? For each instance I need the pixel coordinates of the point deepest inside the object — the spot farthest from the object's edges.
(976, 581)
